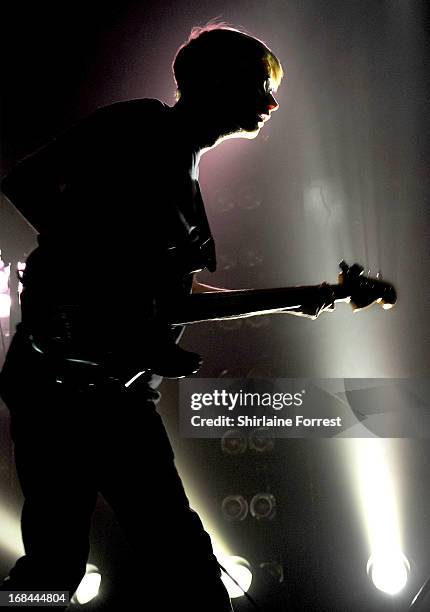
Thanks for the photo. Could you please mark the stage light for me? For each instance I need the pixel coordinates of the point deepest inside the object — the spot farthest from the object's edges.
(240, 570)
(233, 442)
(89, 586)
(10, 538)
(5, 303)
(275, 569)
(263, 506)
(389, 573)
(260, 440)
(4, 278)
(387, 566)
(234, 508)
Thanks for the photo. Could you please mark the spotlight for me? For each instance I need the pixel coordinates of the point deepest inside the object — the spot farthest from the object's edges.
(5, 304)
(10, 534)
(389, 572)
(263, 506)
(240, 570)
(275, 569)
(233, 442)
(260, 441)
(387, 566)
(234, 508)
(89, 586)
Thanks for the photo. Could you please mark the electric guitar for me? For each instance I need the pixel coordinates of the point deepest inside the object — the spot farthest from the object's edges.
(353, 286)
(78, 349)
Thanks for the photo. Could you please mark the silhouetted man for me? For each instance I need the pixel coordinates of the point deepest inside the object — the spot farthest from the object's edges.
(121, 231)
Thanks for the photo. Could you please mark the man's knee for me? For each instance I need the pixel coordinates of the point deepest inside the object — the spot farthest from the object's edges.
(45, 575)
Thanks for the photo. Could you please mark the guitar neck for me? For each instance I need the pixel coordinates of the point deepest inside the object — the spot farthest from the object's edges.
(218, 305)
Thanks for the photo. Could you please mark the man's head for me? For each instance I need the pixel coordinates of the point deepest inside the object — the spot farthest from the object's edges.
(228, 77)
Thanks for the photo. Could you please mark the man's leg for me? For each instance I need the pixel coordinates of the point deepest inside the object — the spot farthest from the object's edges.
(52, 460)
(56, 516)
(174, 560)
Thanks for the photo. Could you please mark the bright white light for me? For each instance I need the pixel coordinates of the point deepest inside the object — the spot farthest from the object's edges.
(20, 267)
(135, 377)
(220, 548)
(89, 586)
(387, 565)
(4, 279)
(388, 573)
(10, 538)
(5, 303)
(239, 568)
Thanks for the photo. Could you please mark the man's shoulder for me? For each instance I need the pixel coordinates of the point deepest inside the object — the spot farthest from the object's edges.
(136, 108)
(129, 121)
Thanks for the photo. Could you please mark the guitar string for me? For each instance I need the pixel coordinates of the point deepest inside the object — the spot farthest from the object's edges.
(246, 594)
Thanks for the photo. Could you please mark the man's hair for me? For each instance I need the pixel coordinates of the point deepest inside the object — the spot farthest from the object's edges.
(217, 50)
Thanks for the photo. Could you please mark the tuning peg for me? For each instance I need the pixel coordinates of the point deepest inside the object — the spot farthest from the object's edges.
(379, 275)
(368, 272)
(356, 269)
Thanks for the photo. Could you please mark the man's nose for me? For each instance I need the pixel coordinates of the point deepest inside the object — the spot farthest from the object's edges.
(272, 104)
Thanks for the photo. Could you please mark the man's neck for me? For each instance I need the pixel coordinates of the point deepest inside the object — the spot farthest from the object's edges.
(201, 133)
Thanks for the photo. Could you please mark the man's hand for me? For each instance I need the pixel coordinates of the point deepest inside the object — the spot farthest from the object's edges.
(202, 288)
(324, 303)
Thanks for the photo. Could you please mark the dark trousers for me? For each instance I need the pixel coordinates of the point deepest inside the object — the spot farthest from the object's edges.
(71, 444)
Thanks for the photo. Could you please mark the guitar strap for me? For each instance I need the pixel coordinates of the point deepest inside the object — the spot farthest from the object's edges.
(207, 244)
(191, 247)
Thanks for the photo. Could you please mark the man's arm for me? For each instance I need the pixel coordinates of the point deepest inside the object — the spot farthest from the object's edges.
(202, 288)
(33, 184)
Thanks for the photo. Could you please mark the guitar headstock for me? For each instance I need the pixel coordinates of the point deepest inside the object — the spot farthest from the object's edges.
(365, 290)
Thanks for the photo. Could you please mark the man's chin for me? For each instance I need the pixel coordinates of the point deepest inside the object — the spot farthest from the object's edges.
(240, 134)
(251, 134)
(248, 132)
(251, 130)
